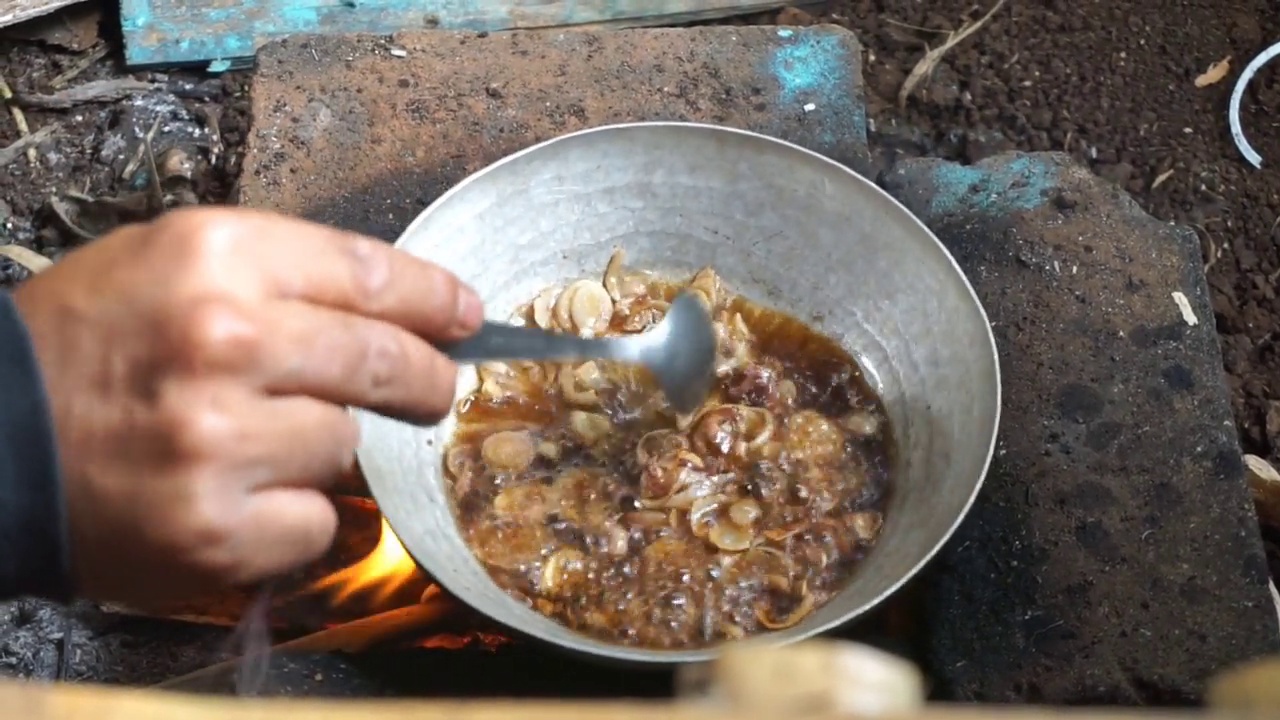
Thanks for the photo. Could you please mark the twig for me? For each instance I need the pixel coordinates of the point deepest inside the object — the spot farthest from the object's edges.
(19, 119)
(64, 654)
(85, 62)
(62, 215)
(135, 162)
(26, 142)
(210, 116)
(155, 199)
(350, 637)
(94, 91)
(930, 60)
(27, 258)
(1213, 247)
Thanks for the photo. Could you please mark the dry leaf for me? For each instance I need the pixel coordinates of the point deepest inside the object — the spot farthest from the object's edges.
(27, 258)
(1215, 73)
(1264, 485)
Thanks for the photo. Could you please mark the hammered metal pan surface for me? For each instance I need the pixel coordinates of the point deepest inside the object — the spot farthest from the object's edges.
(782, 225)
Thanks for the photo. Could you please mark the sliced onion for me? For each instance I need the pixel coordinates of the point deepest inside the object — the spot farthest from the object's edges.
(791, 620)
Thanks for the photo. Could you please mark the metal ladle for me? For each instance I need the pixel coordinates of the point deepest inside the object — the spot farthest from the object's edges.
(680, 350)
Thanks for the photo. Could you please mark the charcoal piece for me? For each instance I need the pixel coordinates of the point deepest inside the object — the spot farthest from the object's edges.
(1113, 555)
(103, 647)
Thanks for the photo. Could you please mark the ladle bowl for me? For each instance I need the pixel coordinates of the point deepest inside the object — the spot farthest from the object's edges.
(783, 226)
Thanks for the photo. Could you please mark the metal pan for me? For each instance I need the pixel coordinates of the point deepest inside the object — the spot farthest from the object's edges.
(783, 226)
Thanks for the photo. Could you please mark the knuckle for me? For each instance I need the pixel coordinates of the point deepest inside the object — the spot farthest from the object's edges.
(370, 269)
(208, 530)
(196, 433)
(217, 333)
(202, 236)
(384, 363)
(345, 432)
(434, 389)
(316, 536)
(447, 288)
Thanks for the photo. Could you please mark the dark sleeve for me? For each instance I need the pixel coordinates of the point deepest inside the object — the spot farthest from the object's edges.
(34, 557)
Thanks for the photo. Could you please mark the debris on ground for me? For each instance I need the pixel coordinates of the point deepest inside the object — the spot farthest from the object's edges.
(98, 91)
(925, 67)
(72, 28)
(29, 259)
(26, 143)
(1215, 74)
(18, 11)
(1264, 483)
(19, 118)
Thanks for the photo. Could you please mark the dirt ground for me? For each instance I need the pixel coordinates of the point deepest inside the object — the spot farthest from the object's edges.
(1110, 82)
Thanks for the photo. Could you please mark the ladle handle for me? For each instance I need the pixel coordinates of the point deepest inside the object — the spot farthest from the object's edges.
(498, 341)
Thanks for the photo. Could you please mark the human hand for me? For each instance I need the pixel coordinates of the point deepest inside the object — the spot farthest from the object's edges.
(197, 369)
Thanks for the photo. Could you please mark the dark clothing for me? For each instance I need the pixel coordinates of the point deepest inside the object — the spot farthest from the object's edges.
(34, 557)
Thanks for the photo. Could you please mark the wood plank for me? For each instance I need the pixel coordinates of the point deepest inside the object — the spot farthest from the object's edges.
(172, 32)
(13, 12)
(74, 28)
(42, 701)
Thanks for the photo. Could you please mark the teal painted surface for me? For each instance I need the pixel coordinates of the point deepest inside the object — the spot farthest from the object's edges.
(1019, 185)
(813, 69)
(177, 32)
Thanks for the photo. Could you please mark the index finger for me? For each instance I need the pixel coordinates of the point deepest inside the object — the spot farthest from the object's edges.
(362, 275)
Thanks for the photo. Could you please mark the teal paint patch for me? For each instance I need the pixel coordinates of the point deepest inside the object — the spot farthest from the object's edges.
(813, 67)
(179, 32)
(1019, 185)
(219, 66)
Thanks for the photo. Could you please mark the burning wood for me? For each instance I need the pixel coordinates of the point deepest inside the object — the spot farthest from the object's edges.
(355, 636)
(381, 575)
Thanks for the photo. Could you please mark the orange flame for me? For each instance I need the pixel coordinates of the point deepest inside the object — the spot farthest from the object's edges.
(380, 574)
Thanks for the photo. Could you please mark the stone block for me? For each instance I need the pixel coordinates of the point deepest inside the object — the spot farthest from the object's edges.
(1113, 555)
(347, 133)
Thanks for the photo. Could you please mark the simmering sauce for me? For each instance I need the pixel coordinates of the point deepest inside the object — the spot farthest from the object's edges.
(585, 495)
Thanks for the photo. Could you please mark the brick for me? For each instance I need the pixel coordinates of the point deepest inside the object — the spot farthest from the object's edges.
(347, 134)
(1113, 555)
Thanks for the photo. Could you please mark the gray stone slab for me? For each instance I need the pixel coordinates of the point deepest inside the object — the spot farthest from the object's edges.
(1113, 555)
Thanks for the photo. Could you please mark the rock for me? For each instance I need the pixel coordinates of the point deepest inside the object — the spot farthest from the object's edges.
(1113, 555)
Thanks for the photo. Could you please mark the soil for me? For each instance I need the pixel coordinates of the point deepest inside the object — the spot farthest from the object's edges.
(1112, 83)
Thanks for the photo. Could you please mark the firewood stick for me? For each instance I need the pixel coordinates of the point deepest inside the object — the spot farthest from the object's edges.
(351, 637)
